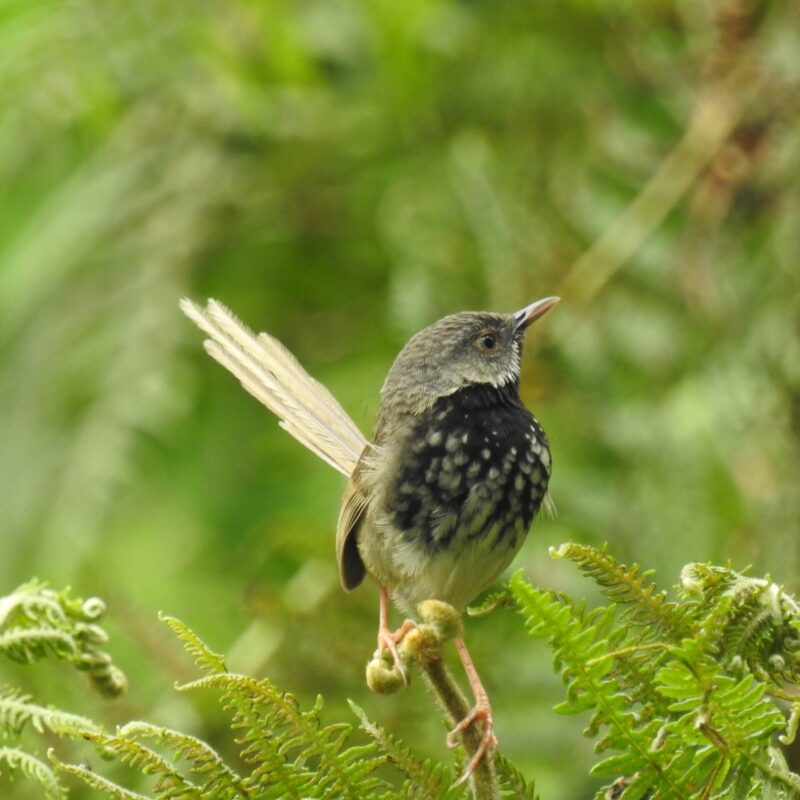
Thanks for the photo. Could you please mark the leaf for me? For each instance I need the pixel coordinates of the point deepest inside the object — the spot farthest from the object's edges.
(33, 768)
(204, 657)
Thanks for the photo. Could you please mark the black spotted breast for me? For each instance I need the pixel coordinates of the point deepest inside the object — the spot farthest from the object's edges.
(469, 476)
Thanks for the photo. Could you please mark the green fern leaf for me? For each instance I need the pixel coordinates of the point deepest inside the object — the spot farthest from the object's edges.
(512, 783)
(220, 781)
(282, 742)
(17, 710)
(169, 783)
(627, 585)
(205, 658)
(590, 685)
(36, 622)
(34, 769)
(110, 789)
(25, 645)
(679, 692)
(423, 779)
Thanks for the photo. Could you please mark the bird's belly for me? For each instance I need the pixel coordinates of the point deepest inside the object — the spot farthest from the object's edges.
(454, 574)
(467, 487)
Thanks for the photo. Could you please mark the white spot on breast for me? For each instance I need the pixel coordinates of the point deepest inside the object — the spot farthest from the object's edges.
(452, 444)
(486, 453)
(435, 438)
(493, 473)
(449, 480)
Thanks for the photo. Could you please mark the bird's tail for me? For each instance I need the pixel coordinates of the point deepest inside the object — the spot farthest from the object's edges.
(266, 369)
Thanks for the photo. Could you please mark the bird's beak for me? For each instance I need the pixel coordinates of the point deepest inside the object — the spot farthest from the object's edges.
(531, 313)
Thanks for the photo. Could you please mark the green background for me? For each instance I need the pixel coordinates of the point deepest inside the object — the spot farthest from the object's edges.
(341, 174)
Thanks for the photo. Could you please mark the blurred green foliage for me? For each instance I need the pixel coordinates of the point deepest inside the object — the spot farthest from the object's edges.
(342, 173)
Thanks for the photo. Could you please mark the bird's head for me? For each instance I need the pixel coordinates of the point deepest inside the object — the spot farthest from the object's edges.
(472, 347)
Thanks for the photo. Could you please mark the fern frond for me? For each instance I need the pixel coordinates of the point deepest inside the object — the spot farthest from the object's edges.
(25, 645)
(36, 622)
(734, 715)
(684, 696)
(512, 783)
(169, 783)
(220, 781)
(34, 769)
(283, 742)
(646, 605)
(502, 598)
(591, 686)
(111, 790)
(205, 658)
(34, 601)
(791, 726)
(17, 710)
(750, 621)
(423, 779)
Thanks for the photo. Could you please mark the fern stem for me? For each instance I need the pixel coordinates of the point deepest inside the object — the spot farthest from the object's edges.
(625, 651)
(483, 780)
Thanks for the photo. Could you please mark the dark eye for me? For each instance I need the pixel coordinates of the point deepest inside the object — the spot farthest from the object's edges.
(487, 342)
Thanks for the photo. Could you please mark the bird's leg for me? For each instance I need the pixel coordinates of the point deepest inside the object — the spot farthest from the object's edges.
(482, 712)
(389, 639)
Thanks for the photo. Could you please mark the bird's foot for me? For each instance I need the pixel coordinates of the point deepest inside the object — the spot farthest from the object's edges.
(482, 712)
(389, 639)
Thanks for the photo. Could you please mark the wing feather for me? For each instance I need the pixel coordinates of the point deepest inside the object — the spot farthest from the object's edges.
(351, 515)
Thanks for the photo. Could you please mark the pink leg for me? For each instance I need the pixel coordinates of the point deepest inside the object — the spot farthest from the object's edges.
(389, 639)
(481, 712)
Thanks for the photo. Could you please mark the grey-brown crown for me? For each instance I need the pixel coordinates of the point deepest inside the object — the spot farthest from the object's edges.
(472, 347)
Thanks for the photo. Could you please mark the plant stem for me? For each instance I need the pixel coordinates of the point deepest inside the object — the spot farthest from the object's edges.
(483, 780)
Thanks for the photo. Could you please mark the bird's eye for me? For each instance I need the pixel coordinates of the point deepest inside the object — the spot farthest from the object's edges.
(487, 342)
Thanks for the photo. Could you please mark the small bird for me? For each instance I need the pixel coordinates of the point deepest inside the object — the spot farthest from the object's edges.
(440, 500)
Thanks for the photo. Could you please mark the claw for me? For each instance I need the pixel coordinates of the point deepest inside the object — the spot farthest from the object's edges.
(389, 639)
(481, 713)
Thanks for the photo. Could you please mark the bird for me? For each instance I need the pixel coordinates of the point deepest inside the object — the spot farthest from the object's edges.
(439, 500)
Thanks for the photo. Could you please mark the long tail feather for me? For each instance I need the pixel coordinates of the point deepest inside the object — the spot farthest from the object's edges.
(266, 369)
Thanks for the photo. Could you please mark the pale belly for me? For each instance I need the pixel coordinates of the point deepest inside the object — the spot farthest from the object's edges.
(456, 575)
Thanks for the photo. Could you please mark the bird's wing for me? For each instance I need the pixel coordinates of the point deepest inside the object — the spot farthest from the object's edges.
(354, 504)
(266, 369)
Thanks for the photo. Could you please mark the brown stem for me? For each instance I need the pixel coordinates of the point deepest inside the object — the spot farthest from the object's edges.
(483, 779)
(422, 645)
